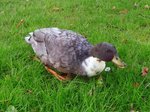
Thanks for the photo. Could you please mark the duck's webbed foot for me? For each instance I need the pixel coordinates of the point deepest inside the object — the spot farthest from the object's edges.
(58, 76)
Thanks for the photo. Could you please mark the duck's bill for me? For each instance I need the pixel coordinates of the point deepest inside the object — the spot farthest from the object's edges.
(116, 60)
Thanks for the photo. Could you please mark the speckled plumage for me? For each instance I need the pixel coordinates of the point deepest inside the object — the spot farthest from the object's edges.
(64, 50)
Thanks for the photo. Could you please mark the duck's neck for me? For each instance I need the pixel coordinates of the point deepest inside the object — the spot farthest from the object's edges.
(92, 51)
(92, 66)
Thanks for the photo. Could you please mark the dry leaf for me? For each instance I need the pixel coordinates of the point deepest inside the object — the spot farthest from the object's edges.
(29, 91)
(114, 7)
(132, 110)
(144, 71)
(136, 84)
(20, 23)
(56, 9)
(146, 6)
(125, 11)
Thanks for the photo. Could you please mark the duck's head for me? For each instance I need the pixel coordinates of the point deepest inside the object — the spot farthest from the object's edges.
(107, 52)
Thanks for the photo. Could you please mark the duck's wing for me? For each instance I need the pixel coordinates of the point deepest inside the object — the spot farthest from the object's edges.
(65, 49)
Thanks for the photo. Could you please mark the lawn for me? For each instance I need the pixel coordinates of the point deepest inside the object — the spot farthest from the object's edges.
(25, 85)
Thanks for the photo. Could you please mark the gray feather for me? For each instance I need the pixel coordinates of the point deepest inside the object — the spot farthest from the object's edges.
(62, 49)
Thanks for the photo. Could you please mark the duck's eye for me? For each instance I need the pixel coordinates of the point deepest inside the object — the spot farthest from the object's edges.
(116, 58)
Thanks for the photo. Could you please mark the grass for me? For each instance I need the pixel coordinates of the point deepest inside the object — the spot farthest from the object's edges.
(26, 85)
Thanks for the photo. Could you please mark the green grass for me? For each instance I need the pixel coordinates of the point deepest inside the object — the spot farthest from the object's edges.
(26, 85)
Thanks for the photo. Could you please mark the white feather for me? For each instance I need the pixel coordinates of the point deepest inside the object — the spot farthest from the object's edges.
(92, 66)
(27, 39)
(31, 33)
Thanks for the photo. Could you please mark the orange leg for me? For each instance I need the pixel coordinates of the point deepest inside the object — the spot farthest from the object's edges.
(59, 77)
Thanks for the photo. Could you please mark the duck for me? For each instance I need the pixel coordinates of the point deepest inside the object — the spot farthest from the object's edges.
(68, 52)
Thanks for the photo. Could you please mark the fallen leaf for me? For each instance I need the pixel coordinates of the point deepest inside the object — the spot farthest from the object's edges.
(144, 71)
(131, 108)
(29, 91)
(56, 9)
(20, 23)
(114, 7)
(125, 11)
(136, 84)
(146, 6)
